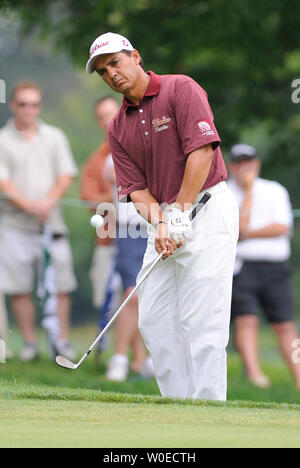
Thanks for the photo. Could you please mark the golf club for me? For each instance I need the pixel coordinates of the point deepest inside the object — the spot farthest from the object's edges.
(64, 362)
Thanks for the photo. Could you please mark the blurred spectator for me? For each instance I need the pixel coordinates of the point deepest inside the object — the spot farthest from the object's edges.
(131, 243)
(262, 278)
(36, 168)
(96, 189)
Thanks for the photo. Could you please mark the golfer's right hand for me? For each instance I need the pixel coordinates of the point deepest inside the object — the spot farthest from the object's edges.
(163, 243)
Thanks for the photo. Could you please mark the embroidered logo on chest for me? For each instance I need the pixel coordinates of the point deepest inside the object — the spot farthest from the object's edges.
(161, 124)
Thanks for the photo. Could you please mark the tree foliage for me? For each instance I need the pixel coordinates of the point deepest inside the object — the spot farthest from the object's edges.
(244, 53)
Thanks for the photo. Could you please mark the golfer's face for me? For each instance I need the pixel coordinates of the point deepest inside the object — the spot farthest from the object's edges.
(118, 70)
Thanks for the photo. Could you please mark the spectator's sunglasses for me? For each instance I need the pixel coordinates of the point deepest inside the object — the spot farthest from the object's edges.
(23, 104)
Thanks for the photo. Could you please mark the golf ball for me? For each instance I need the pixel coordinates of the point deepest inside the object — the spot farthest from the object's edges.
(97, 221)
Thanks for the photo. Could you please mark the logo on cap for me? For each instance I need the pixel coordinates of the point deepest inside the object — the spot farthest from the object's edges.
(98, 46)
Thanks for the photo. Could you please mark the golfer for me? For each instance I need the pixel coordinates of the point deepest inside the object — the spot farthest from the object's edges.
(166, 153)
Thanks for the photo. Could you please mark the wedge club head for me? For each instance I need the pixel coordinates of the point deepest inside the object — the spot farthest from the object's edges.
(63, 362)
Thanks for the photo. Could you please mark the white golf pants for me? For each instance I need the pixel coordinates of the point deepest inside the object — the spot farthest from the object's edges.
(184, 304)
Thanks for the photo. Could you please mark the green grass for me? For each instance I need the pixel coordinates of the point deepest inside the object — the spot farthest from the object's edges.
(41, 416)
(43, 405)
(91, 375)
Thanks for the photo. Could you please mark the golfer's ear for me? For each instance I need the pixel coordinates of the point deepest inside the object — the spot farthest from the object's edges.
(136, 56)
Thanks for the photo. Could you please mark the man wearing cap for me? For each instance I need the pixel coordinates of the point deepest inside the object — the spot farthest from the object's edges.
(166, 153)
(262, 273)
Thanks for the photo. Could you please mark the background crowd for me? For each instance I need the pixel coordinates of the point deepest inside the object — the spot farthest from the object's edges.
(36, 169)
(252, 98)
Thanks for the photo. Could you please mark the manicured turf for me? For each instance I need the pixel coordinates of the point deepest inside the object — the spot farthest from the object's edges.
(40, 416)
(43, 405)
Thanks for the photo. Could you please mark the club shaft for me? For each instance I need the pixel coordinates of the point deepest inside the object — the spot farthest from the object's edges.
(194, 212)
(123, 305)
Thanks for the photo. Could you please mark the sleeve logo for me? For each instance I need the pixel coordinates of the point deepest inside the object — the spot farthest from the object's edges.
(205, 128)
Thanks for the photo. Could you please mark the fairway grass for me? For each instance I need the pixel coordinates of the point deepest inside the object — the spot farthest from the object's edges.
(43, 405)
(41, 416)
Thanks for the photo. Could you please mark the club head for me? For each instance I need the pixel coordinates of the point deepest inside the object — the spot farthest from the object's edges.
(64, 362)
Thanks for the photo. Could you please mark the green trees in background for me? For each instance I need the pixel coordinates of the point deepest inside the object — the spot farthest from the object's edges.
(246, 54)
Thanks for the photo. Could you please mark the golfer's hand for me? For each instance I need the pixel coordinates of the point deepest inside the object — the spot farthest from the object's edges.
(163, 243)
(179, 225)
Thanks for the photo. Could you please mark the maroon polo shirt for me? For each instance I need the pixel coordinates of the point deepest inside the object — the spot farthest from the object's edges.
(150, 143)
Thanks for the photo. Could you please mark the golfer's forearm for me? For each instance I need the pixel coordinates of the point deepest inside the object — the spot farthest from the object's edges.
(13, 195)
(147, 206)
(62, 184)
(196, 172)
(273, 230)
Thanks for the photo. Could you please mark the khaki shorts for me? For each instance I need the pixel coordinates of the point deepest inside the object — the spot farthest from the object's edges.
(20, 257)
(99, 272)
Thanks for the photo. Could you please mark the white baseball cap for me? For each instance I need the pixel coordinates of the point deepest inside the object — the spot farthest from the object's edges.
(108, 43)
(242, 152)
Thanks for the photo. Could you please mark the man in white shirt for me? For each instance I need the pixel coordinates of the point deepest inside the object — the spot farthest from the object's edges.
(262, 273)
(36, 168)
